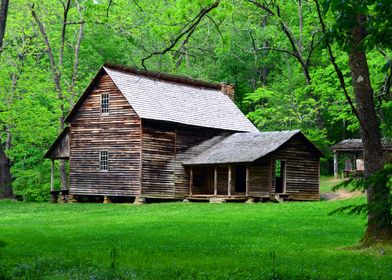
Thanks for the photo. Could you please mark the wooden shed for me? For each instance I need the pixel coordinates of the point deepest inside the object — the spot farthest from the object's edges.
(144, 134)
(351, 150)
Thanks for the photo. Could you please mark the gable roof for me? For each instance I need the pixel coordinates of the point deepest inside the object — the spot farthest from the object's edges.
(177, 99)
(244, 147)
(355, 145)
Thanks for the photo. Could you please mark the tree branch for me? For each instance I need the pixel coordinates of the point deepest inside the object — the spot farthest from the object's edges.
(63, 30)
(76, 54)
(52, 62)
(335, 65)
(290, 36)
(188, 32)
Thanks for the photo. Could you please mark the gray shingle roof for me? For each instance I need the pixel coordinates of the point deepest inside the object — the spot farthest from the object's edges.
(180, 103)
(242, 147)
(355, 145)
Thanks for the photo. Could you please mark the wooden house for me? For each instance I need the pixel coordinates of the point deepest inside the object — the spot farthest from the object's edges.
(144, 134)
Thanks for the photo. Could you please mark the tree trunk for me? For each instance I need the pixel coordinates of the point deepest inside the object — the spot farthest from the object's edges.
(379, 217)
(3, 19)
(5, 176)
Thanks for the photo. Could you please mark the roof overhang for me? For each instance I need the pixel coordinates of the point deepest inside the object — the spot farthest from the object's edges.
(56, 145)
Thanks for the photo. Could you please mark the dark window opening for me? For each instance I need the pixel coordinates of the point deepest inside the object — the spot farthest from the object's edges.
(280, 176)
(240, 178)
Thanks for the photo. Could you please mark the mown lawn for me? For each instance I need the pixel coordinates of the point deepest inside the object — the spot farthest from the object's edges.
(294, 240)
(327, 183)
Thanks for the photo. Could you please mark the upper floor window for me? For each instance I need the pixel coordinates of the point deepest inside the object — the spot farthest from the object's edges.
(104, 160)
(105, 103)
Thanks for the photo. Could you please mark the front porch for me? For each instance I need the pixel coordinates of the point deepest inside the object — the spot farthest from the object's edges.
(233, 182)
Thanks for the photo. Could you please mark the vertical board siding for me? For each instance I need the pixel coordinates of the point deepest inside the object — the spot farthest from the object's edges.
(158, 159)
(118, 132)
(302, 170)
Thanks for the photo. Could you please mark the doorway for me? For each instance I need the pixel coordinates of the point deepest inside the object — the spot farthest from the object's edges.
(280, 176)
(240, 179)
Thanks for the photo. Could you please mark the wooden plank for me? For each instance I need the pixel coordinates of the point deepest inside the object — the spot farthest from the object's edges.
(141, 158)
(52, 174)
(229, 180)
(215, 181)
(247, 181)
(191, 181)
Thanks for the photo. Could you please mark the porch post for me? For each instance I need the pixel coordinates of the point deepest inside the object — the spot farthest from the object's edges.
(52, 174)
(215, 181)
(247, 181)
(335, 165)
(229, 181)
(190, 180)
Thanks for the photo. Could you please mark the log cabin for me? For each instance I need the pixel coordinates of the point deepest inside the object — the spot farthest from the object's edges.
(147, 135)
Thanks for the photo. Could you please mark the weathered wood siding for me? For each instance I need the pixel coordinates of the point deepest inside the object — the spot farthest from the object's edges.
(187, 137)
(61, 151)
(163, 174)
(260, 177)
(158, 159)
(302, 170)
(118, 132)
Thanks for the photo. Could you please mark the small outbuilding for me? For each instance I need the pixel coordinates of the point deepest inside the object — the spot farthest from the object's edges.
(351, 150)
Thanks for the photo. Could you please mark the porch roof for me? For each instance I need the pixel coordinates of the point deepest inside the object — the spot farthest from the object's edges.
(355, 145)
(244, 147)
(60, 147)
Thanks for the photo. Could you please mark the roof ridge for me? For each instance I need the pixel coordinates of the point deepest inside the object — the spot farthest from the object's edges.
(156, 75)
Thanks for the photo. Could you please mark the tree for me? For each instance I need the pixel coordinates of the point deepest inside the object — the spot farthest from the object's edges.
(56, 66)
(3, 20)
(5, 174)
(355, 23)
(358, 26)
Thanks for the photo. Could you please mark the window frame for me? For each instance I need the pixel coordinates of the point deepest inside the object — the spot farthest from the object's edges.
(105, 108)
(104, 160)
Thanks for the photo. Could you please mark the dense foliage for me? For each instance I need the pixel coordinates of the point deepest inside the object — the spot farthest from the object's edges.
(282, 81)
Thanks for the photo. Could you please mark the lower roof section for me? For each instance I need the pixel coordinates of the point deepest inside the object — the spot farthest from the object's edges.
(243, 147)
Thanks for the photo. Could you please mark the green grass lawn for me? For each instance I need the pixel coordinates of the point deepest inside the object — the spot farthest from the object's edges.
(327, 183)
(296, 240)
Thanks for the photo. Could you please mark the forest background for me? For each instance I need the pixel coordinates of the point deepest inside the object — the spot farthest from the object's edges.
(277, 61)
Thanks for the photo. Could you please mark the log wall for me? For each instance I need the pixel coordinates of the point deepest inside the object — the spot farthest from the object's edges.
(302, 169)
(118, 132)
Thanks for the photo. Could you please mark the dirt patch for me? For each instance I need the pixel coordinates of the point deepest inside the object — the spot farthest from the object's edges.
(340, 195)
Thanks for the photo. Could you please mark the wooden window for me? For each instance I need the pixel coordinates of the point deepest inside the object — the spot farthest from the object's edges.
(104, 160)
(105, 103)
